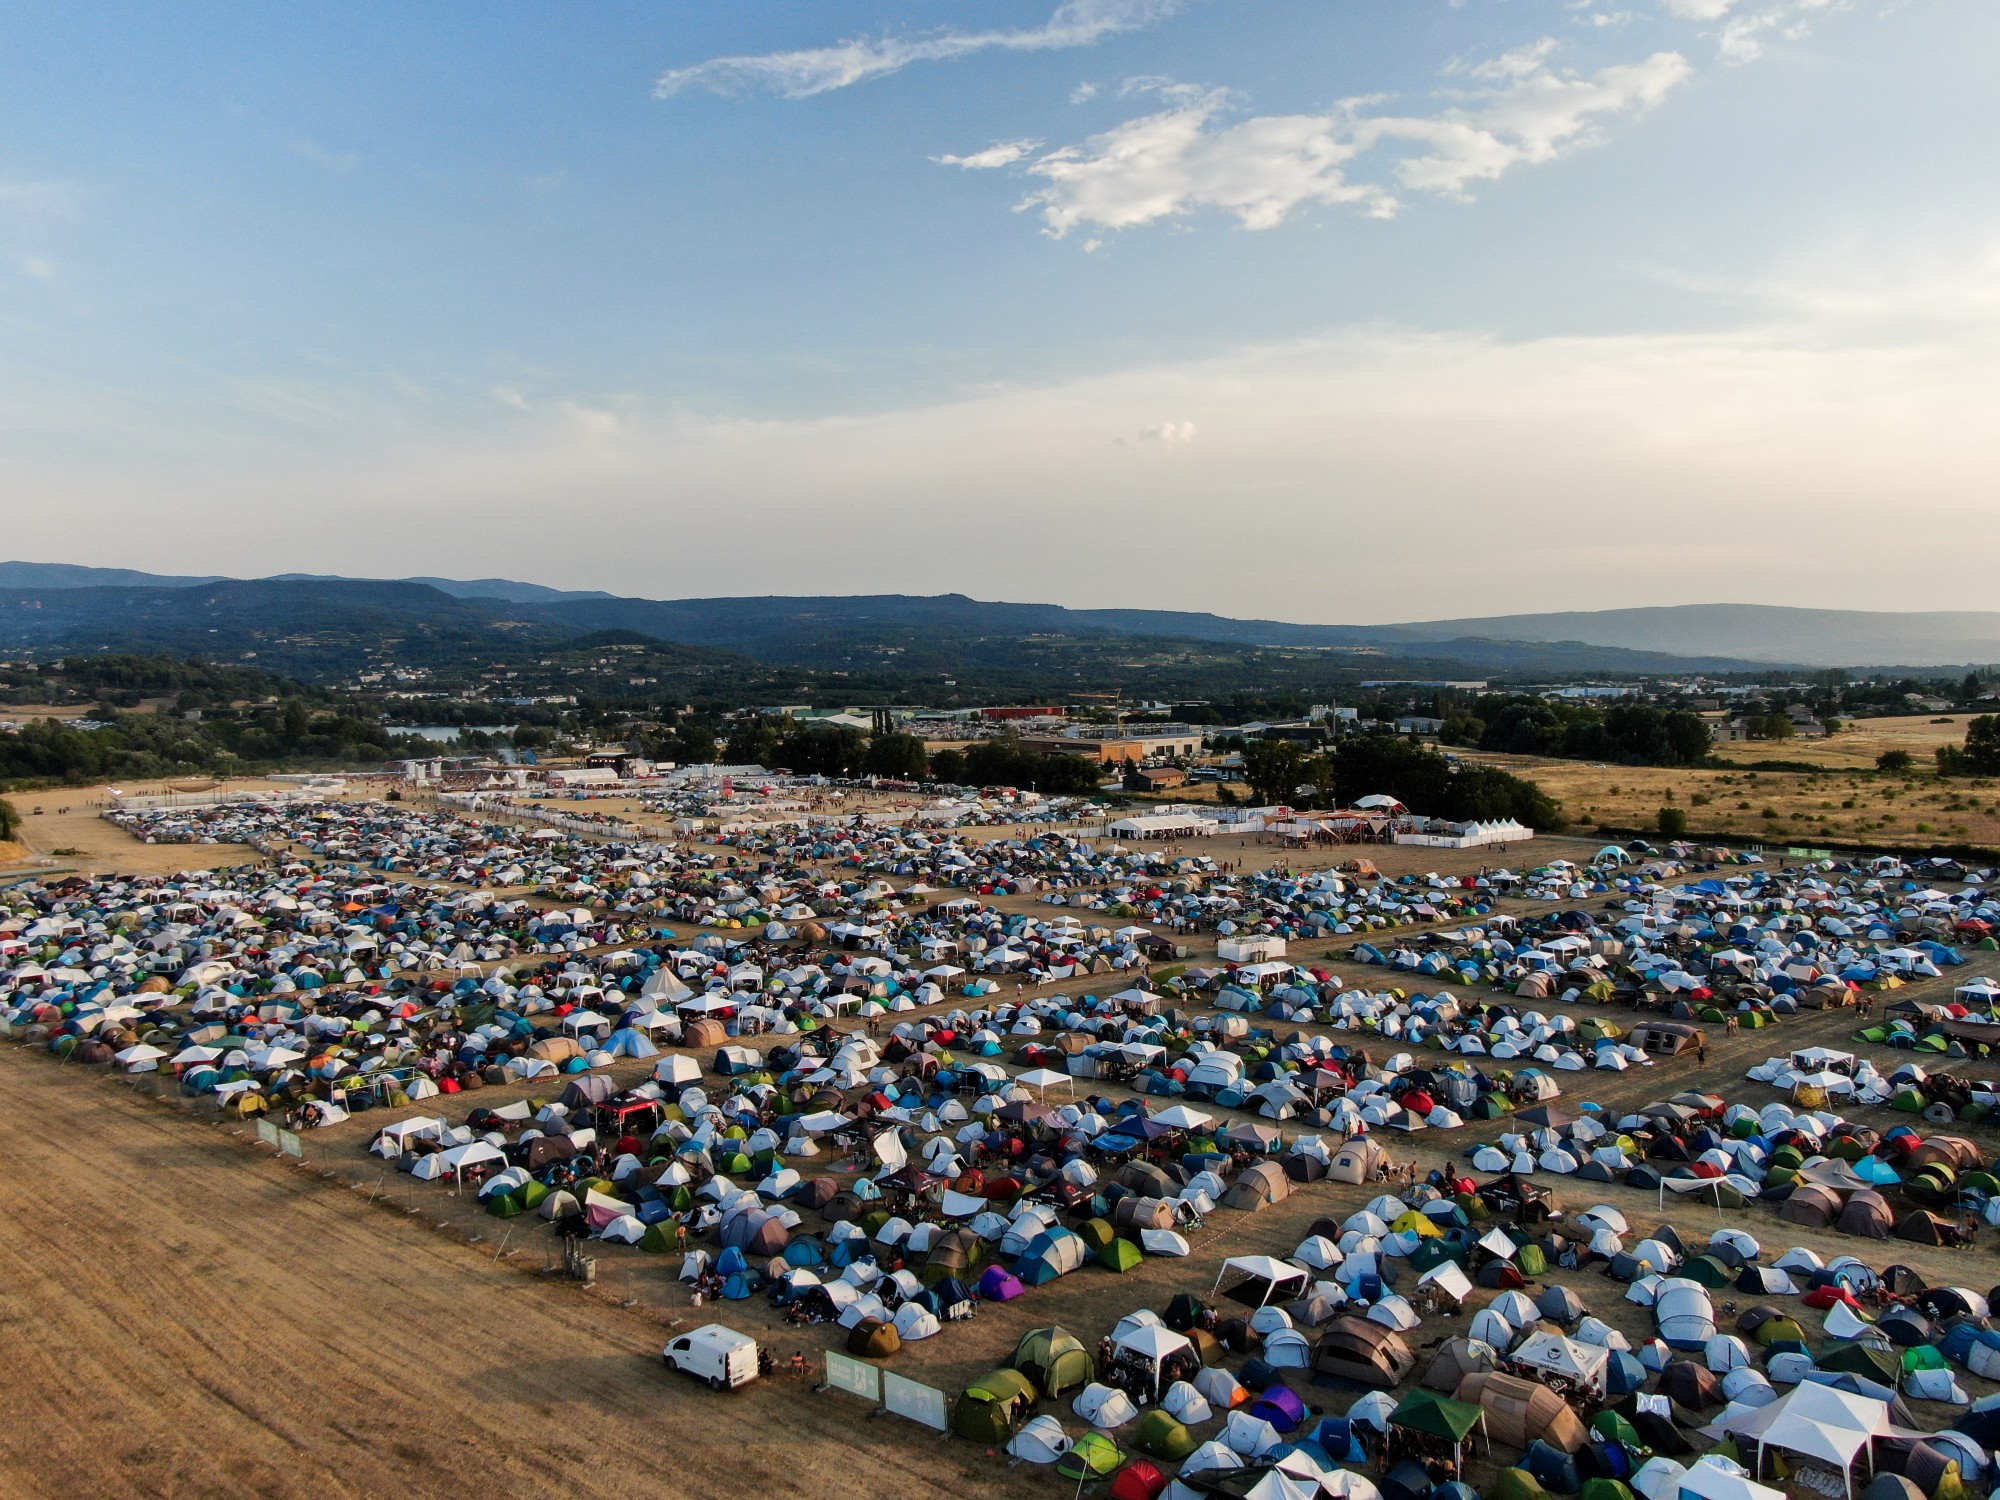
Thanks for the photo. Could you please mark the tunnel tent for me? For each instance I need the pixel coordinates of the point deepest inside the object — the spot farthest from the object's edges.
(1365, 1352)
(990, 1408)
(1520, 1412)
(1055, 1360)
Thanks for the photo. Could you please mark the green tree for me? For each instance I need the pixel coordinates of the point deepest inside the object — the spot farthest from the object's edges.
(295, 721)
(1673, 822)
(1971, 688)
(1979, 756)
(1894, 762)
(948, 766)
(1274, 769)
(899, 756)
(10, 821)
(752, 742)
(1774, 727)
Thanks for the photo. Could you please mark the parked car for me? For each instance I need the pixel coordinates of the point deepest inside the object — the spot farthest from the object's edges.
(721, 1356)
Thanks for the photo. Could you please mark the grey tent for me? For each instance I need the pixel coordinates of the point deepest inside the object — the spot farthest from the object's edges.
(1455, 1360)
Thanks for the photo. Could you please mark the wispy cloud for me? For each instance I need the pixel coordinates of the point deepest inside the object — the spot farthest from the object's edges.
(1005, 154)
(1525, 109)
(816, 70)
(319, 156)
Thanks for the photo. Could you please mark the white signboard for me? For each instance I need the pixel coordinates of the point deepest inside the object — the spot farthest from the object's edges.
(908, 1398)
(854, 1376)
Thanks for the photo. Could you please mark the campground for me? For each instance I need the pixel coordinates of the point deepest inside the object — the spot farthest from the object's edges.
(247, 1326)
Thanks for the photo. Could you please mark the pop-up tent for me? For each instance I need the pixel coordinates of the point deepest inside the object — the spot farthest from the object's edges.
(1149, 1346)
(1441, 1417)
(1260, 1278)
(1819, 1425)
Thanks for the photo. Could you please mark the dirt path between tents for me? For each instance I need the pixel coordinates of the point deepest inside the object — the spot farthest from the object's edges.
(184, 1319)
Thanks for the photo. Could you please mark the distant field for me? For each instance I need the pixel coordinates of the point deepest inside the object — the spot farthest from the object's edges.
(1847, 802)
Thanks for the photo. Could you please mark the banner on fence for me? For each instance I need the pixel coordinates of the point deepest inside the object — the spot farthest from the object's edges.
(267, 1132)
(853, 1376)
(290, 1144)
(909, 1398)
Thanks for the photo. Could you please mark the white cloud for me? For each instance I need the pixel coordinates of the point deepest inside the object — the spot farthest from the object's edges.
(1187, 157)
(1522, 62)
(1005, 154)
(801, 74)
(37, 267)
(1172, 434)
(1083, 93)
(1747, 27)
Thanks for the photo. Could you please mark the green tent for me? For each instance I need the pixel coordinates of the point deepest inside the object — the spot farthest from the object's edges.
(1517, 1484)
(665, 1236)
(1777, 1330)
(1438, 1416)
(1531, 1261)
(1120, 1256)
(1925, 1357)
(1160, 1436)
(1615, 1429)
(1096, 1233)
(1432, 1253)
(1095, 1456)
(1606, 1489)
(1707, 1270)
(992, 1406)
(503, 1206)
(1055, 1360)
(1862, 1359)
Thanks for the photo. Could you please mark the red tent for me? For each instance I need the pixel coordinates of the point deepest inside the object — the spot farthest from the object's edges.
(1138, 1480)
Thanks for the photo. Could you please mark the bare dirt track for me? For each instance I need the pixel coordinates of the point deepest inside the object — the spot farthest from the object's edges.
(183, 1319)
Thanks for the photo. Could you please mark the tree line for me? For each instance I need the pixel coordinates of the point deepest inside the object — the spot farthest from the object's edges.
(1635, 734)
(1421, 778)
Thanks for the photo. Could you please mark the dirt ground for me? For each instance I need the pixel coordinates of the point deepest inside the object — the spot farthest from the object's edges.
(187, 1320)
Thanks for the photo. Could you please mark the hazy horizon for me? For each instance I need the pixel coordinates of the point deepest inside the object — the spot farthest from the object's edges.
(1357, 312)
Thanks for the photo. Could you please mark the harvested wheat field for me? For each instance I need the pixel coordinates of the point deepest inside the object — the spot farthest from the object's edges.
(1847, 804)
(188, 1320)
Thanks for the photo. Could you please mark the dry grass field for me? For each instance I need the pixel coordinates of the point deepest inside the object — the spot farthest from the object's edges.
(186, 1320)
(70, 818)
(1845, 802)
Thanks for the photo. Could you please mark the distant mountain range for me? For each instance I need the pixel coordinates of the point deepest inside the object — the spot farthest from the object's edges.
(59, 607)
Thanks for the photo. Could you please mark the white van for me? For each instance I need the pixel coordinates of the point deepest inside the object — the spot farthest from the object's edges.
(721, 1356)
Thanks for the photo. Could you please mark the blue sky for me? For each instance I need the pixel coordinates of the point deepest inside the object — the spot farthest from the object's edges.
(1322, 309)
